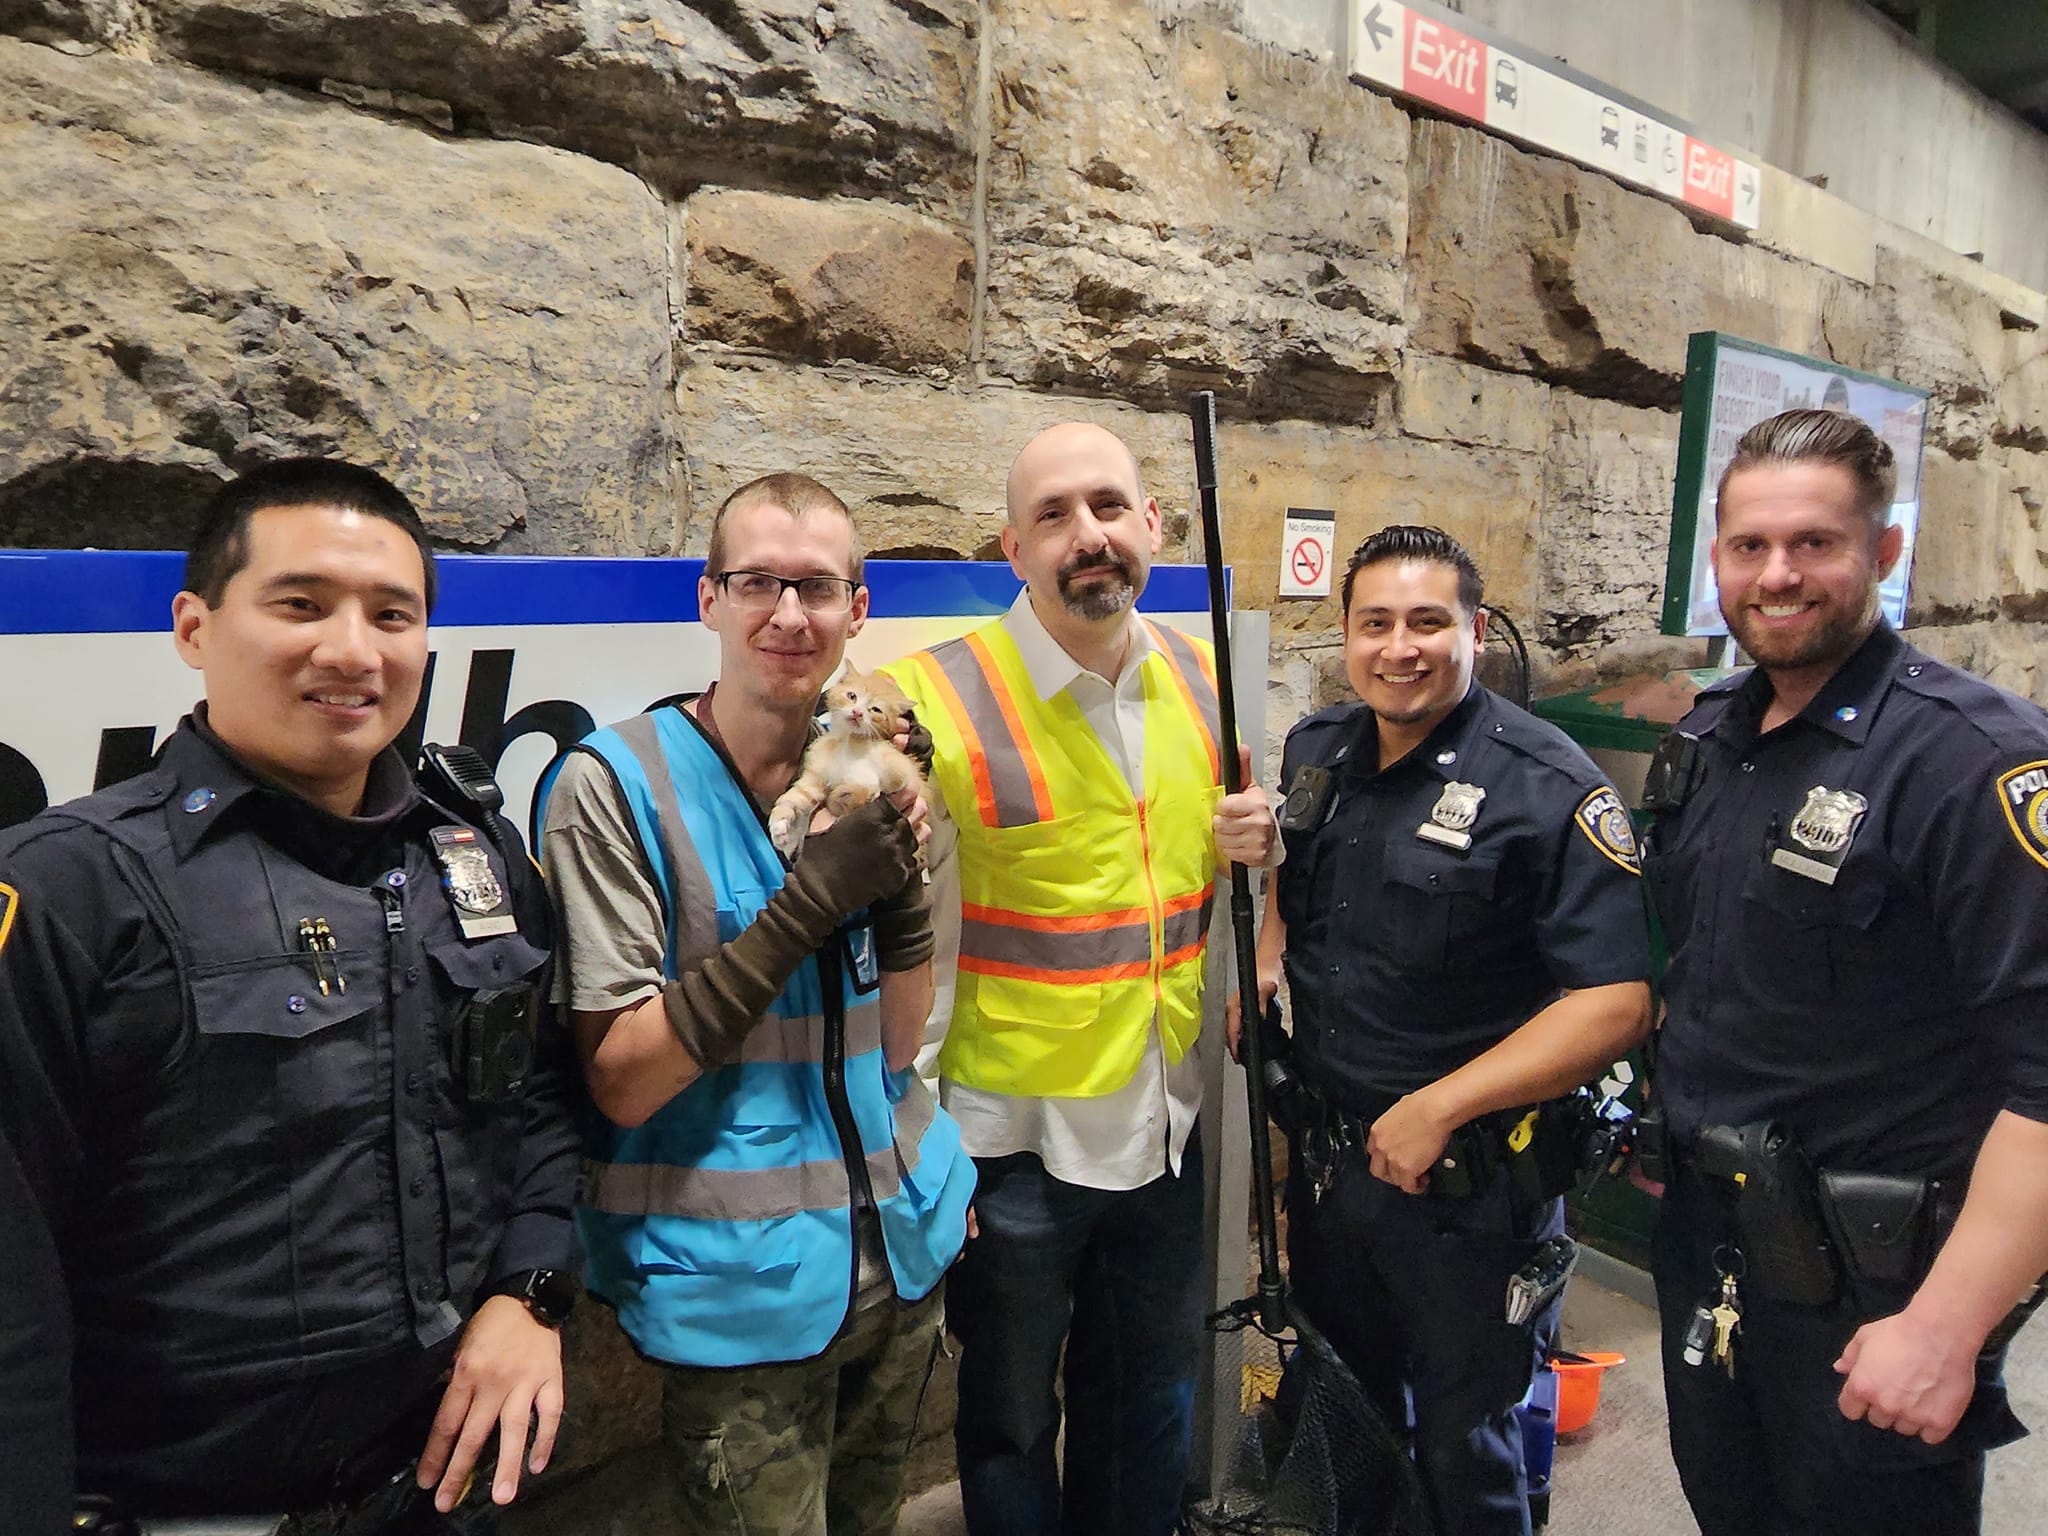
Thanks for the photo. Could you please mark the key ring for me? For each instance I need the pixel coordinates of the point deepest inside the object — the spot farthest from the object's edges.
(1727, 1259)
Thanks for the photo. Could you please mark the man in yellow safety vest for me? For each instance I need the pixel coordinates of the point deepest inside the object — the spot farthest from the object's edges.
(1075, 758)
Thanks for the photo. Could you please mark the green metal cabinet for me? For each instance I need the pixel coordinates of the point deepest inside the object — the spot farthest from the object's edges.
(1620, 727)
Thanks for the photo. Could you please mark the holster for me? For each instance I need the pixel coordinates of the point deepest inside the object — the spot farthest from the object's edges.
(1777, 1216)
(1653, 1144)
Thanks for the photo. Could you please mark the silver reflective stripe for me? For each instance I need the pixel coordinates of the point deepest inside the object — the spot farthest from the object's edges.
(1008, 777)
(693, 915)
(1088, 949)
(1190, 660)
(1182, 929)
(801, 1037)
(759, 1194)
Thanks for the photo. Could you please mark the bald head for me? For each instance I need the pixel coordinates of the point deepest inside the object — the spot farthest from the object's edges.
(1082, 532)
(1072, 445)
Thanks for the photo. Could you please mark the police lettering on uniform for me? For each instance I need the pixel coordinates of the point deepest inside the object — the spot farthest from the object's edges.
(1460, 920)
(286, 1167)
(1850, 859)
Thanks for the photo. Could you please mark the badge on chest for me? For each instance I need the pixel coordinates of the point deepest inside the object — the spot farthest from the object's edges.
(478, 898)
(1451, 818)
(1820, 834)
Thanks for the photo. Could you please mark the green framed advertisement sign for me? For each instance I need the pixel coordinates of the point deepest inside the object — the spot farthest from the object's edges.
(1730, 385)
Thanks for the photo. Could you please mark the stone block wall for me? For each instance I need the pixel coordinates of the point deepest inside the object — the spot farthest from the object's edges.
(571, 269)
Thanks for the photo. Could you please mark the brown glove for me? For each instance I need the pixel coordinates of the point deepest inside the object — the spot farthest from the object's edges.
(851, 864)
(903, 926)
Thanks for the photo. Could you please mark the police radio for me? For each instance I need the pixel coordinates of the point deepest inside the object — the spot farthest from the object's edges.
(495, 1034)
(459, 774)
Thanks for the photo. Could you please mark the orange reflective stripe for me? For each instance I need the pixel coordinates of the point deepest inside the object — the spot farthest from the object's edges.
(1129, 971)
(1054, 923)
(1186, 929)
(999, 690)
(1090, 950)
(1182, 657)
(977, 756)
(1009, 789)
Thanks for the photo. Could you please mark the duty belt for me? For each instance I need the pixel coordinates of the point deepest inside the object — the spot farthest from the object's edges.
(1535, 1145)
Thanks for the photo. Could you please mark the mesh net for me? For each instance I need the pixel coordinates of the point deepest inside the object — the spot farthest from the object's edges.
(1314, 1457)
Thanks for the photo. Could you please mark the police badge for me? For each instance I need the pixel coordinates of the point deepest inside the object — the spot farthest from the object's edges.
(1824, 826)
(1450, 819)
(472, 885)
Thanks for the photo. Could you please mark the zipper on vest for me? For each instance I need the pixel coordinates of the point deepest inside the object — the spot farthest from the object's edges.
(1158, 911)
(860, 1191)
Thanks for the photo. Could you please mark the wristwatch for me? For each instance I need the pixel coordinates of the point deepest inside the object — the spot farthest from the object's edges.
(548, 1293)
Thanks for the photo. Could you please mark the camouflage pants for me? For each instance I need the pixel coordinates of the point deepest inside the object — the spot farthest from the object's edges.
(812, 1448)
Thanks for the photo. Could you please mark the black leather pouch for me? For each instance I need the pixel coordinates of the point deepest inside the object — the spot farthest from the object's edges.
(1882, 1225)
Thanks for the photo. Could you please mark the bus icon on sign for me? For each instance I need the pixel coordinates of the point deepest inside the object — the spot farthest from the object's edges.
(1610, 127)
(1506, 83)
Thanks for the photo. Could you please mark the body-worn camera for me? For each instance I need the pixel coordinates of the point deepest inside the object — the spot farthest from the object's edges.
(494, 1043)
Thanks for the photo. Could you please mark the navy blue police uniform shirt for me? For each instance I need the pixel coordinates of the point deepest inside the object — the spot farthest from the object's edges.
(1856, 905)
(1436, 906)
(244, 1215)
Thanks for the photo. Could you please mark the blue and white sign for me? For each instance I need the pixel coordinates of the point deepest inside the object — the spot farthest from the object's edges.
(528, 653)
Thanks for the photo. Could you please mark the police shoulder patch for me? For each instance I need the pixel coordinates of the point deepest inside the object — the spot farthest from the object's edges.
(1604, 820)
(2023, 796)
(9, 900)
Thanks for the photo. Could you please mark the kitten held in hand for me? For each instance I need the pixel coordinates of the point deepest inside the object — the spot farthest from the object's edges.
(851, 762)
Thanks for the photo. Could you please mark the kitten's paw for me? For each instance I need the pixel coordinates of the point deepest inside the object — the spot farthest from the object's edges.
(782, 832)
(847, 797)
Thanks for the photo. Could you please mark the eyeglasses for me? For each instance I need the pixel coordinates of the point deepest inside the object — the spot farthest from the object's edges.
(764, 589)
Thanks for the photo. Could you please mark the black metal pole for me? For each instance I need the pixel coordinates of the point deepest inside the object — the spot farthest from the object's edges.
(1272, 1295)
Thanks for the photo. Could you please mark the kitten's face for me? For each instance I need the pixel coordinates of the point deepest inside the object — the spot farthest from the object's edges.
(861, 705)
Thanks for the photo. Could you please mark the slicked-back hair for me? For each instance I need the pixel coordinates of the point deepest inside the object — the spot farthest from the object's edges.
(798, 495)
(1821, 437)
(220, 548)
(1431, 546)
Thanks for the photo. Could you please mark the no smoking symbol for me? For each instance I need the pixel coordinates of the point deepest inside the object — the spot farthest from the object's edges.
(1307, 561)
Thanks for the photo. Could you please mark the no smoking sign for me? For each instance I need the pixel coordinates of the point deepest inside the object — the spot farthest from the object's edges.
(1307, 539)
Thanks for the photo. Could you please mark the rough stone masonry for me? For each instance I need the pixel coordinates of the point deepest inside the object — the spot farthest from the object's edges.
(571, 269)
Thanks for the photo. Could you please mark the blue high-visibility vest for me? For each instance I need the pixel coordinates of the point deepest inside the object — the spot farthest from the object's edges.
(722, 1229)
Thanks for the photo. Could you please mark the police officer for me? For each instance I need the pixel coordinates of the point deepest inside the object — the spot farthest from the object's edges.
(285, 1168)
(1851, 865)
(1460, 918)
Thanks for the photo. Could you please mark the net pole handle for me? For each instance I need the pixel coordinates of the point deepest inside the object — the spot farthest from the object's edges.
(1272, 1303)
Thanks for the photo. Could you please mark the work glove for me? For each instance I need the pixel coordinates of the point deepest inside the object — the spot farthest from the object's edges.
(862, 857)
(903, 926)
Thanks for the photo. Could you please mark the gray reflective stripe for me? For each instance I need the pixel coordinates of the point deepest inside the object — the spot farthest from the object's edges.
(1190, 660)
(759, 1194)
(801, 1037)
(1088, 949)
(1184, 928)
(693, 910)
(1016, 805)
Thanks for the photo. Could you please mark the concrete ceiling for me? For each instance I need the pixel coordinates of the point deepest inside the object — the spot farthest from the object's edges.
(1999, 46)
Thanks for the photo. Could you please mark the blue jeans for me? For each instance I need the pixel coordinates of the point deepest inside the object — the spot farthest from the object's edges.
(1117, 1274)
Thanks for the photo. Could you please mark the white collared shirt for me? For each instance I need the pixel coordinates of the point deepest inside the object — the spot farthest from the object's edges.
(1119, 1140)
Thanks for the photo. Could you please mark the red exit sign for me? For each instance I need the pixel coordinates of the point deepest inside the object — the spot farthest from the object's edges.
(1709, 179)
(1444, 66)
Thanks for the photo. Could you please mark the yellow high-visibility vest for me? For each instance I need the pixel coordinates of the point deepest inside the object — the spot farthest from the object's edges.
(1084, 910)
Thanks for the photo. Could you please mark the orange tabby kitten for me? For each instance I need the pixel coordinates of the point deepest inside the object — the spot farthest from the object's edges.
(851, 762)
